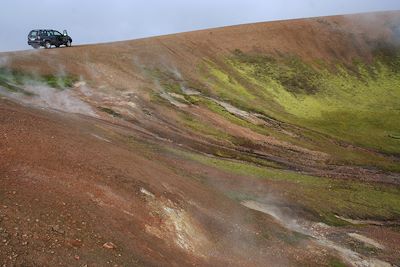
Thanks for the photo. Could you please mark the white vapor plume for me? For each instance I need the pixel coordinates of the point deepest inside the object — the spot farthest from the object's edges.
(3, 61)
(50, 98)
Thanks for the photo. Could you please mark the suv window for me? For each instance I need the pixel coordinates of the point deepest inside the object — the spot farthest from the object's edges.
(56, 33)
(33, 34)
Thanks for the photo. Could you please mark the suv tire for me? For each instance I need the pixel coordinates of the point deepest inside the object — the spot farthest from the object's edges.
(68, 44)
(47, 45)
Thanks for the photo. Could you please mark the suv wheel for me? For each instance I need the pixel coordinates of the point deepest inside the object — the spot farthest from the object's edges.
(47, 45)
(69, 44)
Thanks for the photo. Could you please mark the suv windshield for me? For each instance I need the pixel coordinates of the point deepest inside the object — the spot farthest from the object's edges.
(33, 34)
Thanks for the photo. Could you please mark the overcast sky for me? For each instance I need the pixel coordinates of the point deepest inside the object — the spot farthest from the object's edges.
(110, 20)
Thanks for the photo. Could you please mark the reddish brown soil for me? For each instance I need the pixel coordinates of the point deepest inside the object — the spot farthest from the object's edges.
(65, 193)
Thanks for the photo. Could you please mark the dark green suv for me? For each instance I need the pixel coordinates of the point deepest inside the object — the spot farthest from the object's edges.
(48, 38)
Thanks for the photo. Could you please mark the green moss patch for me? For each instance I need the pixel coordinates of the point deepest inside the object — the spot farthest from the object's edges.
(13, 80)
(200, 127)
(13, 88)
(110, 111)
(59, 82)
(334, 262)
(355, 103)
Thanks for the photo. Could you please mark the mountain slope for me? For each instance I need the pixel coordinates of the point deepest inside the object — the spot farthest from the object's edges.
(159, 143)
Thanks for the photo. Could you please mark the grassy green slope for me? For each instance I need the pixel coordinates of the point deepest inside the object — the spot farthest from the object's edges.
(357, 103)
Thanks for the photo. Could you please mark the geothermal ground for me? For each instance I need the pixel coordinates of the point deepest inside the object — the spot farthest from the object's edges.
(269, 144)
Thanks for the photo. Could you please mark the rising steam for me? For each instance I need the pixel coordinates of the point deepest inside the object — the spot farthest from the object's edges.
(43, 96)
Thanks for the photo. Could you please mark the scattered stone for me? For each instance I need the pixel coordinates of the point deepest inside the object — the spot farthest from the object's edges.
(109, 245)
(77, 257)
(79, 84)
(57, 229)
(76, 243)
(5, 235)
(146, 192)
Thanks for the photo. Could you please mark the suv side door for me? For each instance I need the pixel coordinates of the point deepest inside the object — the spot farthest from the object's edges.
(58, 37)
(41, 35)
(53, 39)
(45, 35)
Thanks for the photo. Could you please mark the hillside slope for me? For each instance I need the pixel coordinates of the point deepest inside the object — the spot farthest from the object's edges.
(234, 145)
